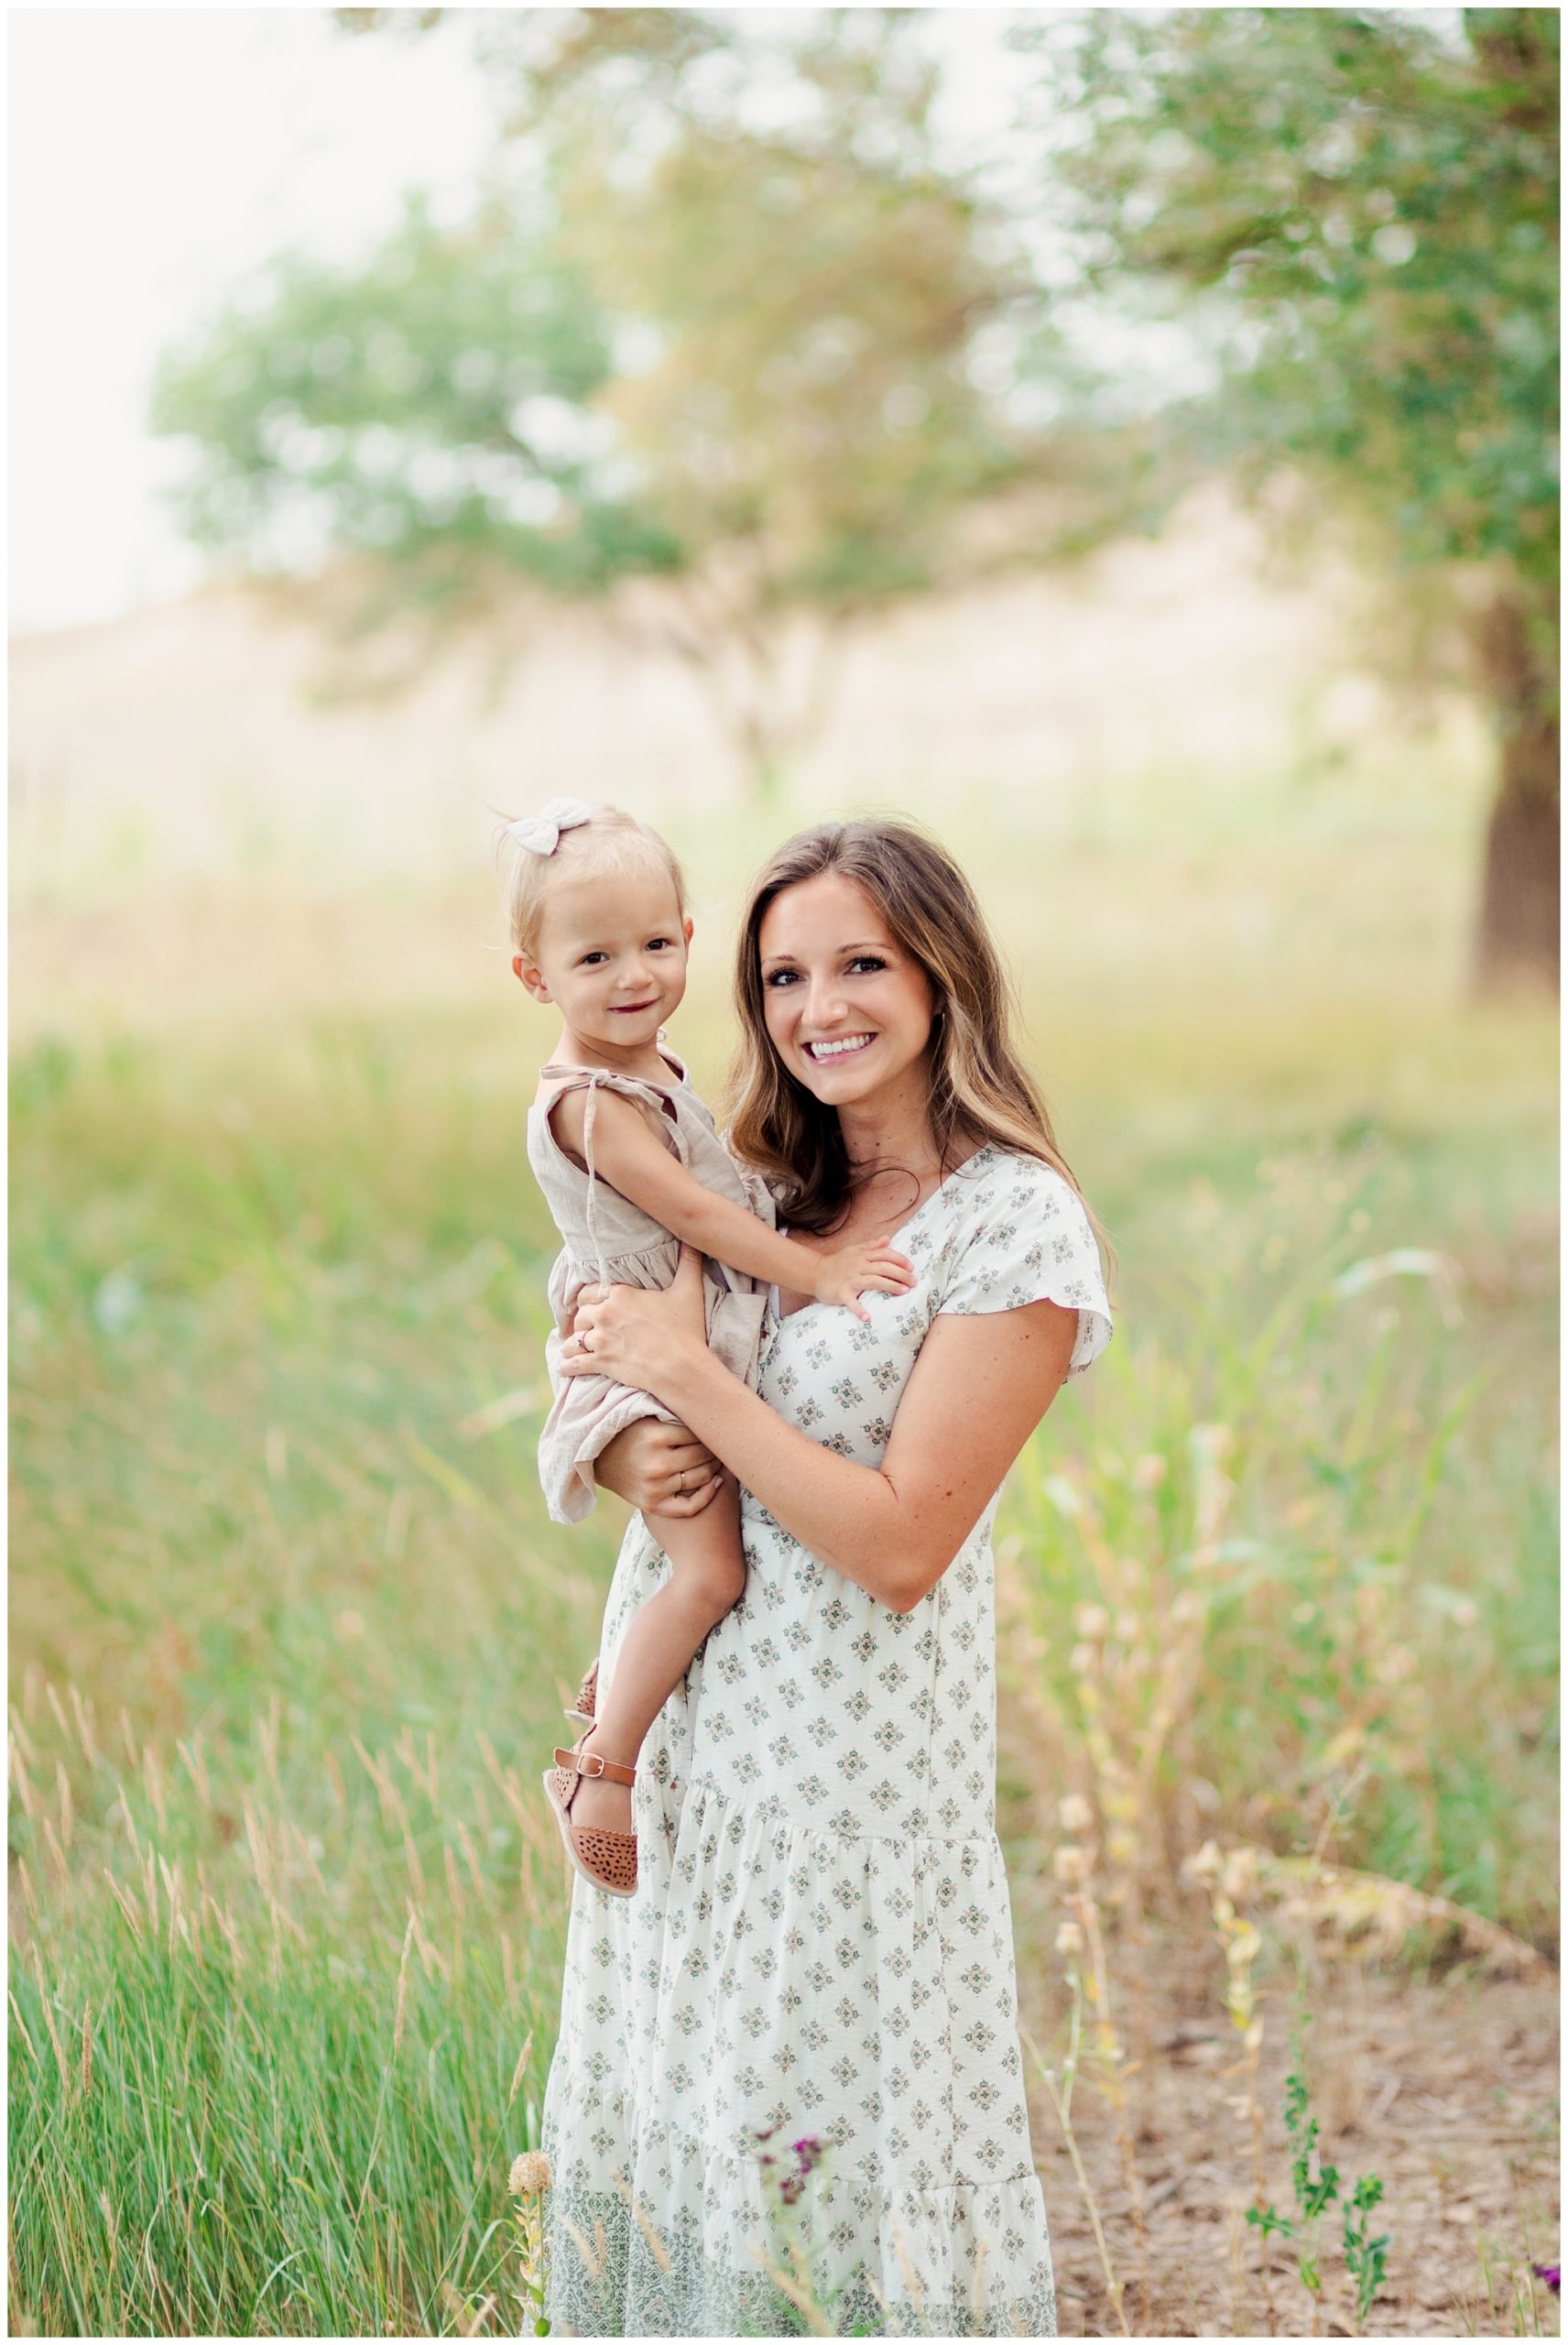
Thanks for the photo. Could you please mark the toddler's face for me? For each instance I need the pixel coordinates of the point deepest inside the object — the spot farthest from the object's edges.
(611, 956)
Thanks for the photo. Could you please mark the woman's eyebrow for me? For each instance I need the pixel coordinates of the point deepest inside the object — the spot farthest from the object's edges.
(867, 945)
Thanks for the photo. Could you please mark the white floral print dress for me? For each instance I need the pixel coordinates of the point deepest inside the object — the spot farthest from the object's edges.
(822, 1941)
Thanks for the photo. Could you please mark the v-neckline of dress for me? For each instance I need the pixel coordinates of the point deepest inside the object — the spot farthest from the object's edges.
(782, 1318)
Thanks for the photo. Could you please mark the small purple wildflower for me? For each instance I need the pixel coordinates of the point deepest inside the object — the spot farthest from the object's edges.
(809, 2152)
(1552, 2274)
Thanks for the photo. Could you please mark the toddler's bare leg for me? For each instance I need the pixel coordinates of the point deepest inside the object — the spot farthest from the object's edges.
(707, 1574)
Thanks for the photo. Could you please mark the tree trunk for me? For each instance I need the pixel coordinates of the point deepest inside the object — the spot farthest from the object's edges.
(767, 714)
(762, 753)
(1516, 938)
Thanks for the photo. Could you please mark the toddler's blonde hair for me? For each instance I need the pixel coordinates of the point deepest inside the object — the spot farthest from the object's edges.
(609, 841)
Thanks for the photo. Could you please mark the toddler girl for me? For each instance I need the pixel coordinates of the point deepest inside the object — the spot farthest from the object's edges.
(630, 1164)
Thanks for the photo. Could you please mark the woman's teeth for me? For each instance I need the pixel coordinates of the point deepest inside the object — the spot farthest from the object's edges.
(838, 1050)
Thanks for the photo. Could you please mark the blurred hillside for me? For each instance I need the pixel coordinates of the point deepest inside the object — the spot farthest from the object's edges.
(1164, 735)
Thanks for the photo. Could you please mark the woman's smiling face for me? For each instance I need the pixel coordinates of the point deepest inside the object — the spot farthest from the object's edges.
(848, 1010)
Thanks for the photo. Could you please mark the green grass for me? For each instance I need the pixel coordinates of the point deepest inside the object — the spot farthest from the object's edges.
(290, 1628)
(247, 2149)
(255, 1535)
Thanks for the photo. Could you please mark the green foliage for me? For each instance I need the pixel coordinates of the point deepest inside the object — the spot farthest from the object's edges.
(1315, 2185)
(1261, 1527)
(811, 289)
(812, 402)
(733, 332)
(1366, 2258)
(735, 355)
(427, 410)
(1367, 203)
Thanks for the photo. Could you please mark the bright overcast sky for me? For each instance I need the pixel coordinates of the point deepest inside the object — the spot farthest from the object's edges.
(156, 154)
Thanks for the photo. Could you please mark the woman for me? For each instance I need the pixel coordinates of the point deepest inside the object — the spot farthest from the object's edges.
(821, 1948)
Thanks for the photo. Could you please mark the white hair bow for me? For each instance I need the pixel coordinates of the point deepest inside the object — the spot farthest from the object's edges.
(540, 833)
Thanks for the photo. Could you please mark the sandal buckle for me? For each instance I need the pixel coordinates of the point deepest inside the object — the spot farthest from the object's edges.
(586, 1763)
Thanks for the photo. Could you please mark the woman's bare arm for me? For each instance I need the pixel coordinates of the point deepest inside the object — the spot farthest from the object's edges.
(978, 1388)
(975, 1395)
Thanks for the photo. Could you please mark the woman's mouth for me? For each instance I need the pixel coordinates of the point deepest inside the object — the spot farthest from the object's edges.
(842, 1047)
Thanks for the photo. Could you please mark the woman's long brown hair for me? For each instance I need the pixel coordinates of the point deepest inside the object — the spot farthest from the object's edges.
(980, 1089)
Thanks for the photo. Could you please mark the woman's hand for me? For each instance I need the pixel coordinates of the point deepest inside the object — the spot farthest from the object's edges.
(638, 1335)
(660, 1468)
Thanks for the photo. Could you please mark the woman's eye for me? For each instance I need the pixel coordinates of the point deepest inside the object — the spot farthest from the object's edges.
(778, 977)
(867, 960)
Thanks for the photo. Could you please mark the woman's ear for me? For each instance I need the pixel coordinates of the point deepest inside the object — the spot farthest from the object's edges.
(529, 976)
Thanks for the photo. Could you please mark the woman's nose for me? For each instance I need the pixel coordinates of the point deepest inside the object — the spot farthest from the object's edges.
(825, 1004)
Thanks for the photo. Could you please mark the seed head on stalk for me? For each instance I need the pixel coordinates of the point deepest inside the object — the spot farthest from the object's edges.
(1081, 1934)
(528, 2182)
(1226, 1878)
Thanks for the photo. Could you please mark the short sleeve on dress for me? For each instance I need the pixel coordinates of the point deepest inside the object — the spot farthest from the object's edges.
(1030, 1242)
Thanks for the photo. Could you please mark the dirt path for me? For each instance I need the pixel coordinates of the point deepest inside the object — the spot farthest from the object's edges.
(1446, 2088)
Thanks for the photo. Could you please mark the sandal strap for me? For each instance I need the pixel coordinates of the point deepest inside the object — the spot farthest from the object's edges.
(593, 1764)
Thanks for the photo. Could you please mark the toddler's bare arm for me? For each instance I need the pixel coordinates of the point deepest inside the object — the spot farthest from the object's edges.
(629, 1154)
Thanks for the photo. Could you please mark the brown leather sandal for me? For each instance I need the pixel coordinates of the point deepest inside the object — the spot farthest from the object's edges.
(606, 1859)
(582, 1709)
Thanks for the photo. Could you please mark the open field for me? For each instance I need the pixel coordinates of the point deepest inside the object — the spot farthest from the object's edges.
(289, 1627)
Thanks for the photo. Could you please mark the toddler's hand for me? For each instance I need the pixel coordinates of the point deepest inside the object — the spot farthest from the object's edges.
(847, 1271)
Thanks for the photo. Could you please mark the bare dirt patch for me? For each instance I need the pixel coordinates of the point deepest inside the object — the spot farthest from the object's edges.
(1445, 2087)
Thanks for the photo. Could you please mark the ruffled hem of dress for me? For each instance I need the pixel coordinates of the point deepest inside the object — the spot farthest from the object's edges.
(697, 2253)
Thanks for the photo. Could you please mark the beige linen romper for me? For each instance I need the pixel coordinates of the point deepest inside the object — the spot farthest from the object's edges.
(609, 1241)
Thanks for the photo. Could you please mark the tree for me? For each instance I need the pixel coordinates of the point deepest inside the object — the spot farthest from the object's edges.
(1365, 203)
(429, 413)
(722, 345)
